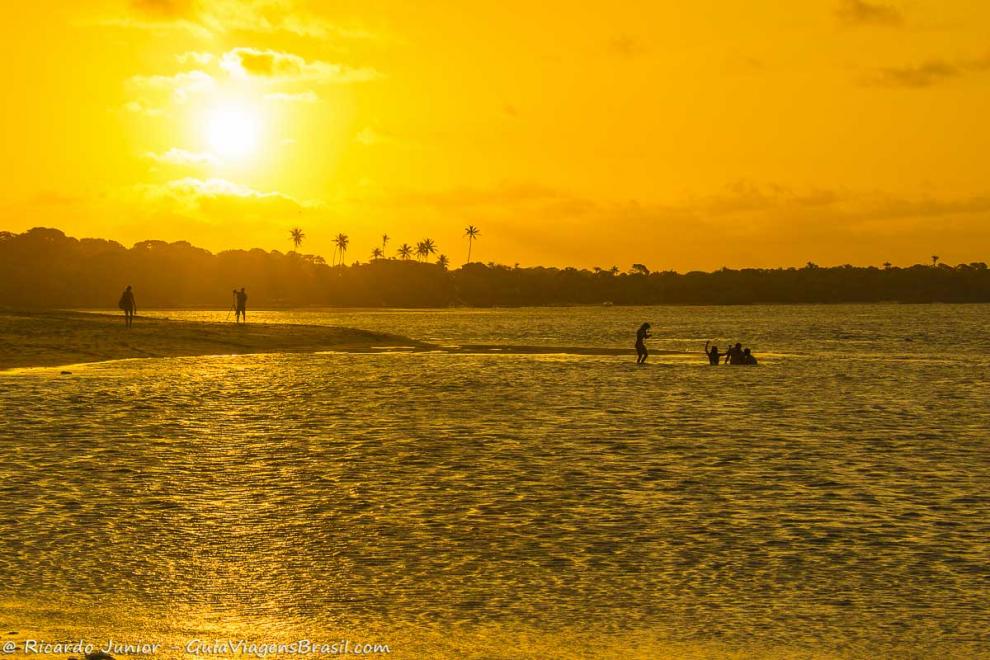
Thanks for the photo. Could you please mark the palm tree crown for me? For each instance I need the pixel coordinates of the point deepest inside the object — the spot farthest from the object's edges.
(443, 262)
(405, 251)
(425, 248)
(472, 233)
(297, 236)
(341, 242)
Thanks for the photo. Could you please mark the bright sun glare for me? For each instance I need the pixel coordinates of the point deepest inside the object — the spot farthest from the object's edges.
(232, 132)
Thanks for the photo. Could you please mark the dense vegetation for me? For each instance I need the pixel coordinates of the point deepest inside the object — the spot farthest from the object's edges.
(45, 268)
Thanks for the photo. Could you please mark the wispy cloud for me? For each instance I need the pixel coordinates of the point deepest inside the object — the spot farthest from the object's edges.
(198, 58)
(213, 198)
(369, 137)
(139, 108)
(209, 18)
(626, 46)
(183, 158)
(180, 85)
(276, 65)
(922, 75)
(860, 12)
(309, 96)
(926, 74)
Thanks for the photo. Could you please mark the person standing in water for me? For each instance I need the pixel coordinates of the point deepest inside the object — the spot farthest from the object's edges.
(641, 336)
(713, 354)
(734, 355)
(128, 305)
(748, 358)
(240, 306)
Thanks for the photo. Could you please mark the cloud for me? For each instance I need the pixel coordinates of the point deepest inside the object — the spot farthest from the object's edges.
(309, 96)
(924, 75)
(369, 137)
(626, 46)
(183, 158)
(213, 199)
(208, 18)
(860, 12)
(928, 73)
(141, 109)
(163, 8)
(180, 86)
(275, 65)
(200, 59)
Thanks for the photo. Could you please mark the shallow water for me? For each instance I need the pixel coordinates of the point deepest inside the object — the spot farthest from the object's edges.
(834, 500)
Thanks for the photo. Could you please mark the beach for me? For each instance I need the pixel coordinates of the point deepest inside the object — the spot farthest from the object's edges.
(55, 338)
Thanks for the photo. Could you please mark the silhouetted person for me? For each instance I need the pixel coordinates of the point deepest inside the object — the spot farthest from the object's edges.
(748, 358)
(641, 336)
(128, 305)
(240, 306)
(713, 354)
(734, 355)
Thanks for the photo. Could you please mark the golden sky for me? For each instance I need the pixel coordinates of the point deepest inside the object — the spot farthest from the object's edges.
(684, 135)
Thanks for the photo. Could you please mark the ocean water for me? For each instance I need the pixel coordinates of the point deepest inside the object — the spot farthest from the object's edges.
(832, 502)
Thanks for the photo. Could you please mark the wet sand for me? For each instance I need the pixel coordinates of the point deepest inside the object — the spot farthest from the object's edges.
(56, 338)
(40, 339)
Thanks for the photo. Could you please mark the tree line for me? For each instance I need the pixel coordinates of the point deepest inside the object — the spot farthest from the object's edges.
(44, 268)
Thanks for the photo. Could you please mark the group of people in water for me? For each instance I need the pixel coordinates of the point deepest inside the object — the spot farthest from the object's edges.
(735, 355)
(129, 306)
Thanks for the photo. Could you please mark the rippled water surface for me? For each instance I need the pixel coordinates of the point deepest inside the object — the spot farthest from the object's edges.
(833, 501)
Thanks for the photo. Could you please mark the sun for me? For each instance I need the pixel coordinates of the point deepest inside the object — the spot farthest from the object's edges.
(233, 132)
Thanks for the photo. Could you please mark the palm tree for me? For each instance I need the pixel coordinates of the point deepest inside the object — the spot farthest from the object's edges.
(405, 251)
(425, 248)
(887, 265)
(297, 236)
(385, 239)
(443, 262)
(471, 233)
(377, 253)
(934, 261)
(614, 270)
(341, 242)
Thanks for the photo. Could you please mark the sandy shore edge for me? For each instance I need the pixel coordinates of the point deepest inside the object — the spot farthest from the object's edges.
(46, 339)
(55, 338)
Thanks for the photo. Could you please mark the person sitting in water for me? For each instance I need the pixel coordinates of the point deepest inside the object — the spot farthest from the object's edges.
(240, 308)
(748, 358)
(713, 354)
(641, 336)
(128, 305)
(734, 355)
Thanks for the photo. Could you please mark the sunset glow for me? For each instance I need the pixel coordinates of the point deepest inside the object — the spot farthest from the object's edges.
(588, 134)
(232, 132)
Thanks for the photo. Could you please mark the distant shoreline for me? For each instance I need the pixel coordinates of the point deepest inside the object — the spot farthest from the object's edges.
(398, 308)
(44, 268)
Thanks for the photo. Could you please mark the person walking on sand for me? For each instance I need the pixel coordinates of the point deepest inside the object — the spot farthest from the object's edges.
(641, 336)
(713, 354)
(128, 305)
(240, 306)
